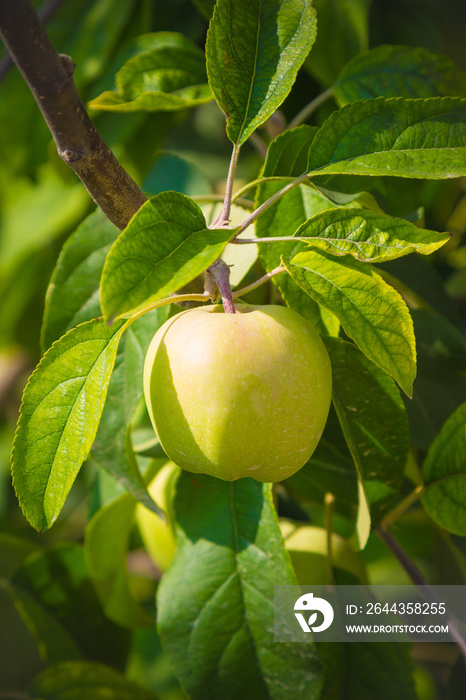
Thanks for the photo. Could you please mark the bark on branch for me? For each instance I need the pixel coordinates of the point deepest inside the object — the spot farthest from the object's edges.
(50, 79)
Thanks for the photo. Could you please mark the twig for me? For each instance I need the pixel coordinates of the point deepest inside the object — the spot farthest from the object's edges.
(49, 76)
(259, 181)
(269, 239)
(310, 108)
(329, 504)
(259, 144)
(268, 203)
(207, 198)
(224, 217)
(414, 573)
(245, 290)
(417, 577)
(402, 507)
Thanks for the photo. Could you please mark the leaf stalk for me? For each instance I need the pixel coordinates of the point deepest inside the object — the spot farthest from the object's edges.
(310, 108)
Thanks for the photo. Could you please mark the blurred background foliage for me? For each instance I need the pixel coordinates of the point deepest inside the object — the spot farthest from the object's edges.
(42, 202)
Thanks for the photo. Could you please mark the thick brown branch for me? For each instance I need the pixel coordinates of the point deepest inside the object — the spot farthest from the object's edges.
(50, 78)
(45, 12)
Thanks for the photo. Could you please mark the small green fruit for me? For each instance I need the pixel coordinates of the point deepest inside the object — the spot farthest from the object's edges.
(236, 395)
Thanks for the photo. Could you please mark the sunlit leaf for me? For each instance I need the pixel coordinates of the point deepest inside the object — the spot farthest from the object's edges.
(165, 245)
(371, 312)
(254, 50)
(287, 156)
(112, 448)
(423, 138)
(169, 76)
(61, 408)
(368, 235)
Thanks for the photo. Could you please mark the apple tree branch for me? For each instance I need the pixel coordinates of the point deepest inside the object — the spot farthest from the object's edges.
(49, 76)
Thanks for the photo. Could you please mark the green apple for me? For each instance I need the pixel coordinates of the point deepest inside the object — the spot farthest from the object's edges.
(308, 549)
(157, 535)
(236, 395)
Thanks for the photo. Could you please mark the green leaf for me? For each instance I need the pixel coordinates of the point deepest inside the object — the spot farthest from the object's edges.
(254, 50)
(206, 7)
(398, 71)
(171, 172)
(106, 548)
(342, 33)
(457, 679)
(215, 603)
(13, 550)
(440, 385)
(426, 283)
(112, 449)
(170, 76)
(330, 470)
(57, 601)
(396, 136)
(153, 101)
(445, 475)
(371, 312)
(88, 31)
(34, 214)
(239, 258)
(165, 245)
(61, 408)
(368, 235)
(76, 680)
(73, 293)
(282, 220)
(287, 156)
(367, 670)
(54, 643)
(363, 519)
(372, 416)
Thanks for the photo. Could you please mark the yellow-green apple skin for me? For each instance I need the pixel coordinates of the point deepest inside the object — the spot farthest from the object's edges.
(307, 546)
(237, 395)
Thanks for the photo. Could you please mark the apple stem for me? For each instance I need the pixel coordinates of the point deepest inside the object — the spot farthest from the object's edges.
(219, 274)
